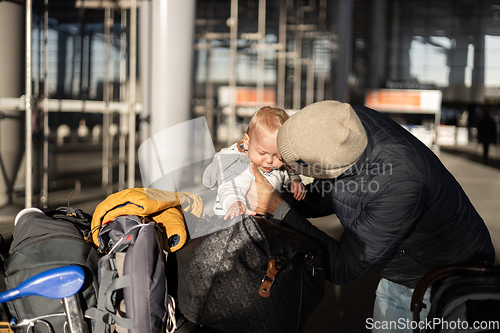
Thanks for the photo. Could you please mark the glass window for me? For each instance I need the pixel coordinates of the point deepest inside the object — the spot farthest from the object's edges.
(439, 8)
(466, 23)
(491, 60)
(466, 7)
(440, 25)
(414, 8)
(492, 76)
(489, 6)
(446, 42)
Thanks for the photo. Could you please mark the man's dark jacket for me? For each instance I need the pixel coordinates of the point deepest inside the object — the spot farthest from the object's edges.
(402, 212)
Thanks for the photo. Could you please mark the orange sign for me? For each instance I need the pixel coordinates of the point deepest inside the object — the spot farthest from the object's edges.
(246, 96)
(404, 100)
(249, 96)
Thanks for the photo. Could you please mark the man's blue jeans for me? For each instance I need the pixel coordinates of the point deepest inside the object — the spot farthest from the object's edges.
(391, 312)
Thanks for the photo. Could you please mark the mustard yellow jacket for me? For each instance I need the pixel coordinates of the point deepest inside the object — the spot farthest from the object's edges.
(164, 207)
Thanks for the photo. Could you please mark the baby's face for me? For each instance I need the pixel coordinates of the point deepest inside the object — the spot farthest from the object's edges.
(263, 149)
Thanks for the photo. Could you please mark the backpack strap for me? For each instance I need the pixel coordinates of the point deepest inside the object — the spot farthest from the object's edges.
(106, 311)
(116, 284)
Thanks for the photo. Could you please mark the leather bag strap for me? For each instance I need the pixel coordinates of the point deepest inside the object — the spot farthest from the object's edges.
(268, 279)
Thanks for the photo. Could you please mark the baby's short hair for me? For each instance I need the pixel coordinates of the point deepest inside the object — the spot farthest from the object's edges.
(267, 117)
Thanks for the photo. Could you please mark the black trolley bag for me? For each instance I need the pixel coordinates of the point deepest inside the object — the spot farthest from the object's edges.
(253, 276)
(464, 298)
(44, 241)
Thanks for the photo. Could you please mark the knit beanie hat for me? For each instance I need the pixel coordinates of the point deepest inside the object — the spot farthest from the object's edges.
(323, 140)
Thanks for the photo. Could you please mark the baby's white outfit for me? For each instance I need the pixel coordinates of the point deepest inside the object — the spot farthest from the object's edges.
(230, 171)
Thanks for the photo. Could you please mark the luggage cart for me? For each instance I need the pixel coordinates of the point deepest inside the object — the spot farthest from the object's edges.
(58, 283)
(464, 298)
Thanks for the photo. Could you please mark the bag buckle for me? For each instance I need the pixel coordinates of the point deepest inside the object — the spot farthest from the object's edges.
(268, 279)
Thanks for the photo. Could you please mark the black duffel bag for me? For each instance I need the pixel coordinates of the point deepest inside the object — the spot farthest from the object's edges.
(253, 276)
(46, 240)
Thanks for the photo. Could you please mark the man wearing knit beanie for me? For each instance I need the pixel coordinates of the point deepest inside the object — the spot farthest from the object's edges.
(402, 212)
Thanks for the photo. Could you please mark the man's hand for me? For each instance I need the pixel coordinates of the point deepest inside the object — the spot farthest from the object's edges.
(262, 197)
(237, 208)
(298, 189)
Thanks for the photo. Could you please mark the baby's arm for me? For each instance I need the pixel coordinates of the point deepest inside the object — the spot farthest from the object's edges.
(232, 193)
(298, 189)
(237, 208)
(295, 184)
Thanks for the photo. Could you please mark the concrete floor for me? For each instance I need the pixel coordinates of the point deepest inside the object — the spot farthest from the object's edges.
(345, 308)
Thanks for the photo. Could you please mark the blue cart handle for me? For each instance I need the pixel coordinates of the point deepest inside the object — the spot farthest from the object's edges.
(58, 282)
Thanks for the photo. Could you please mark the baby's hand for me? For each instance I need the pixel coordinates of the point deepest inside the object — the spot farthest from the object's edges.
(237, 208)
(298, 189)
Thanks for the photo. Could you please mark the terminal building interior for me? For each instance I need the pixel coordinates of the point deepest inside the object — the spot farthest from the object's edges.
(85, 85)
(98, 78)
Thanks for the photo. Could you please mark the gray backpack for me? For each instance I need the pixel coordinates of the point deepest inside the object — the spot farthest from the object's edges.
(133, 286)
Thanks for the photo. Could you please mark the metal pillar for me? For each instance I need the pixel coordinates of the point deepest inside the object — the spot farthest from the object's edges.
(233, 32)
(478, 74)
(280, 94)
(145, 47)
(297, 72)
(377, 57)
(344, 63)
(11, 86)
(310, 76)
(320, 86)
(261, 52)
(209, 85)
(28, 108)
(132, 94)
(45, 158)
(171, 62)
(209, 106)
(106, 149)
(123, 120)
